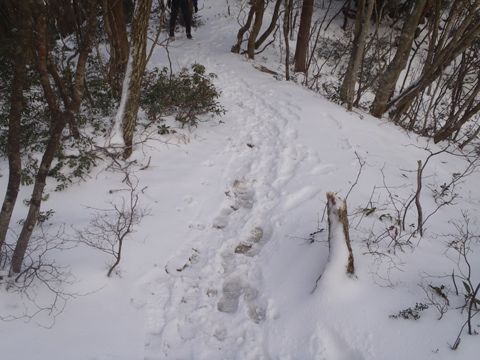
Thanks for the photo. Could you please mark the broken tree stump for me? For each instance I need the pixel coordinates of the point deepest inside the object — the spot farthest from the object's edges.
(338, 231)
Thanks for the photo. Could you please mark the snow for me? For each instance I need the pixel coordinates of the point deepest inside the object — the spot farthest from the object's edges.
(224, 266)
(115, 137)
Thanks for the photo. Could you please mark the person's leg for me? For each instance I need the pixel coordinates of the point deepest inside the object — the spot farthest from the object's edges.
(186, 15)
(173, 16)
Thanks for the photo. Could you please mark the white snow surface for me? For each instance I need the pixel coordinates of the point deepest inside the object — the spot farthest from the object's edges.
(258, 178)
(115, 138)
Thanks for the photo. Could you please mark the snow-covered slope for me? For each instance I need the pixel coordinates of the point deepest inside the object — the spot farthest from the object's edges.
(227, 265)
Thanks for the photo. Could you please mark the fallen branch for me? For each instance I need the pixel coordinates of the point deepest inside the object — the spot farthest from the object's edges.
(265, 70)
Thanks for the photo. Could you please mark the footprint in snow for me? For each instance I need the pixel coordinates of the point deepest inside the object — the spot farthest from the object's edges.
(221, 221)
(323, 169)
(253, 244)
(345, 144)
(231, 290)
(242, 195)
(208, 163)
(234, 287)
(290, 104)
(336, 121)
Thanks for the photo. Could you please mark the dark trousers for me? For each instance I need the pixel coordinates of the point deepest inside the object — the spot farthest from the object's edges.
(183, 5)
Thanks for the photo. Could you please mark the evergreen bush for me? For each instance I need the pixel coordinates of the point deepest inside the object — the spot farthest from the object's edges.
(187, 95)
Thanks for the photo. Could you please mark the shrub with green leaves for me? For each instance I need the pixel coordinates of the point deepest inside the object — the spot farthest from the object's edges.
(187, 95)
(74, 157)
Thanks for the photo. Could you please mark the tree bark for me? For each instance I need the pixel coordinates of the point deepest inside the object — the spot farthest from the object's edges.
(338, 216)
(14, 133)
(273, 25)
(139, 57)
(58, 119)
(464, 37)
(286, 29)
(389, 79)
(435, 25)
(347, 91)
(116, 28)
(451, 127)
(303, 36)
(236, 48)
(259, 11)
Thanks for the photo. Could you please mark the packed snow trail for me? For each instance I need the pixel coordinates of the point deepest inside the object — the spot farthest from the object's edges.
(241, 286)
(213, 300)
(216, 282)
(226, 265)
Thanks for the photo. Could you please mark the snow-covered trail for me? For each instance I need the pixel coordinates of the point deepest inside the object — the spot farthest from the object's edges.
(240, 284)
(216, 282)
(221, 295)
(226, 265)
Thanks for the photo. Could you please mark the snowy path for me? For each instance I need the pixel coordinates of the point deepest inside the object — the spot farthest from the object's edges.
(227, 292)
(216, 282)
(225, 266)
(223, 295)
(217, 298)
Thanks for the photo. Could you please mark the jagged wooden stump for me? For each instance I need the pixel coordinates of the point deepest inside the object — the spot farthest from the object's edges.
(338, 224)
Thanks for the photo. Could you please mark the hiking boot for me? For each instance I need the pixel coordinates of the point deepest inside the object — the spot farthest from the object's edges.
(189, 37)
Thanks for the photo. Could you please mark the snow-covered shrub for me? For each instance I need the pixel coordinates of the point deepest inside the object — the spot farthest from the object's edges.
(411, 313)
(187, 95)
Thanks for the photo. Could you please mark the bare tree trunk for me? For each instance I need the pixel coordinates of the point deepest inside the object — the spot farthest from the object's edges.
(286, 29)
(303, 36)
(357, 60)
(58, 119)
(470, 138)
(389, 79)
(435, 24)
(138, 53)
(347, 91)
(449, 129)
(243, 30)
(116, 28)
(14, 134)
(259, 11)
(273, 25)
(346, 10)
(463, 38)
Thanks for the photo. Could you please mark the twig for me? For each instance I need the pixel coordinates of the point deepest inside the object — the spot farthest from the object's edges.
(361, 162)
(146, 166)
(472, 301)
(417, 198)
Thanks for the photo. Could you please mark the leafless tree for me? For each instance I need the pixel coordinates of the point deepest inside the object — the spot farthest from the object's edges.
(461, 245)
(259, 6)
(42, 283)
(110, 227)
(303, 36)
(389, 79)
(273, 25)
(116, 28)
(362, 22)
(286, 30)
